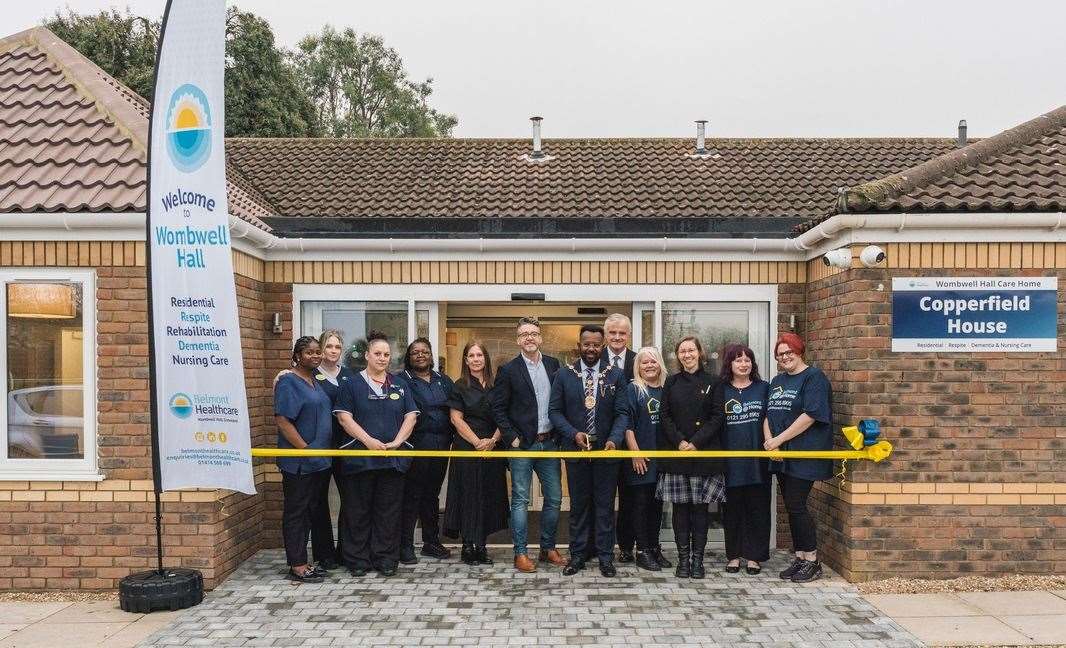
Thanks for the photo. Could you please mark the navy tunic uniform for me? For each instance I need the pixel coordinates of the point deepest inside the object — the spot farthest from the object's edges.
(746, 517)
(807, 392)
(588, 481)
(372, 487)
(307, 407)
(640, 413)
(424, 480)
(322, 546)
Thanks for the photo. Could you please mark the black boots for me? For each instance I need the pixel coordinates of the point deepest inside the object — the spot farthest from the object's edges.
(683, 561)
(696, 569)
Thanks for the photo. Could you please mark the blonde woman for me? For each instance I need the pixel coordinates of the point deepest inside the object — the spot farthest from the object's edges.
(637, 416)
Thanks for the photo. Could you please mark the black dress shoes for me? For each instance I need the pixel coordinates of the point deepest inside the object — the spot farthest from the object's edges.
(468, 555)
(386, 571)
(482, 556)
(573, 567)
(625, 556)
(436, 550)
(407, 556)
(646, 561)
(607, 569)
(358, 572)
(328, 564)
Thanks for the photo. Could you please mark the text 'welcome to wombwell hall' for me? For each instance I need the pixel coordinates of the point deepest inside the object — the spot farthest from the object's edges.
(737, 239)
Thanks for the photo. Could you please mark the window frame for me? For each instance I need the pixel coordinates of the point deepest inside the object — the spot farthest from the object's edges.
(86, 468)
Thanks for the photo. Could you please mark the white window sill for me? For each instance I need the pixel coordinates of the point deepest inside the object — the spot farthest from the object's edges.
(45, 475)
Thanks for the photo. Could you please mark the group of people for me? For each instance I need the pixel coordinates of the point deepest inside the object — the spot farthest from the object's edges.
(611, 398)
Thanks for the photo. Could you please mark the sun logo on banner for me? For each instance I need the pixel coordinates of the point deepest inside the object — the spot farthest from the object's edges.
(188, 128)
(181, 405)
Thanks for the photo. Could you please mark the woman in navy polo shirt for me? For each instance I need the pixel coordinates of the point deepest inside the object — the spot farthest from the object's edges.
(433, 431)
(746, 516)
(637, 414)
(378, 414)
(799, 414)
(302, 413)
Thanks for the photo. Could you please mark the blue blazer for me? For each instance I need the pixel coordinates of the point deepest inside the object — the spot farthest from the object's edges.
(514, 403)
(567, 407)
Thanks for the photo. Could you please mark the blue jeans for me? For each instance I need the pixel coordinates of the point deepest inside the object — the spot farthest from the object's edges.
(549, 472)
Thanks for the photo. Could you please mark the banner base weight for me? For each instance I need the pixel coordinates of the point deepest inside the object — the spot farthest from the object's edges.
(171, 589)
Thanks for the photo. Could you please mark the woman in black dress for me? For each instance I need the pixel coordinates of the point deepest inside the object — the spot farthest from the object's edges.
(477, 488)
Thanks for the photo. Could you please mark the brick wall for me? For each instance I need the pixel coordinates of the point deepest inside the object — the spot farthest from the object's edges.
(88, 535)
(979, 442)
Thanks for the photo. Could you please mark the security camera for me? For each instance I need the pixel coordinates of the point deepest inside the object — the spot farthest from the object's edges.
(840, 258)
(871, 255)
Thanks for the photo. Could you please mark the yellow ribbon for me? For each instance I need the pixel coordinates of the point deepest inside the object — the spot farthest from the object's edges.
(877, 452)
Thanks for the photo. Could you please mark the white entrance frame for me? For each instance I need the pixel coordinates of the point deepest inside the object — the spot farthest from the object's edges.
(427, 295)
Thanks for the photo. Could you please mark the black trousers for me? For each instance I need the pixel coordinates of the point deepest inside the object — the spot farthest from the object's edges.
(795, 492)
(645, 518)
(690, 527)
(421, 499)
(746, 522)
(626, 523)
(299, 493)
(591, 486)
(322, 547)
(372, 502)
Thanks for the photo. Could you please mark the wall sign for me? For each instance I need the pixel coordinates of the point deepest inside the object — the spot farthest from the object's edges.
(961, 314)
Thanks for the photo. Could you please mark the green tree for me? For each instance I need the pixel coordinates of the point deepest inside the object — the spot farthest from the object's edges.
(263, 98)
(119, 42)
(360, 88)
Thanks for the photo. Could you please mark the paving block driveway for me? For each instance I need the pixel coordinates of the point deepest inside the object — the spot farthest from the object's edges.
(446, 603)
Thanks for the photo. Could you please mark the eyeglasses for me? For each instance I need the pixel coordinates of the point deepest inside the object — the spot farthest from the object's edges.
(415, 352)
(786, 354)
(534, 334)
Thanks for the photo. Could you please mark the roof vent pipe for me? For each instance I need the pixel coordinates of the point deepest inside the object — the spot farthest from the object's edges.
(961, 140)
(701, 137)
(537, 152)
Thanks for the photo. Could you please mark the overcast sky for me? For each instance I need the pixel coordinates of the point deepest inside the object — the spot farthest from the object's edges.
(616, 68)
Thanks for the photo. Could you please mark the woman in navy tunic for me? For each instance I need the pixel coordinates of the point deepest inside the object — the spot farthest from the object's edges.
(330, 375)
(302, 413)
(477, 488)
(746, 516)
(378, 414)
(433, 431)
(799, 414)
(637, 417)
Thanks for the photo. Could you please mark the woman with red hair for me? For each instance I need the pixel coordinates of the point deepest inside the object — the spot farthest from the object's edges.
(799, 414)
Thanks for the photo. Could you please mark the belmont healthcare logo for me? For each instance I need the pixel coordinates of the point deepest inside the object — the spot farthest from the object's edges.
(188, 127)
(181, 405)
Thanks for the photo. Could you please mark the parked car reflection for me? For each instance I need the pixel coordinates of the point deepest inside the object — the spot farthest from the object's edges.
(45, 422)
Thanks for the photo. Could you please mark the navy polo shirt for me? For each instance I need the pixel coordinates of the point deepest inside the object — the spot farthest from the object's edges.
(309, 409)
(640, 413)
(333, 390)
(807, 392)
(745, 410)
(380, 412)
(434, 429)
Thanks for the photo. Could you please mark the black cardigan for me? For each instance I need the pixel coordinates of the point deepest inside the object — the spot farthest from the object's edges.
(691, 410)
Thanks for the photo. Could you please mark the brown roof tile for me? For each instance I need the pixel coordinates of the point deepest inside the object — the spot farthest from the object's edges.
(1020, 169)
(647, 178)
(72, 138)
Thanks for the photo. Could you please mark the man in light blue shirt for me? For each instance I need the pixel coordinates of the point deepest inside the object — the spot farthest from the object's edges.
(520, 407)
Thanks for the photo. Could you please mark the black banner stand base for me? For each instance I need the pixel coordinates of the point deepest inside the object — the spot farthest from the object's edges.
(168, 589)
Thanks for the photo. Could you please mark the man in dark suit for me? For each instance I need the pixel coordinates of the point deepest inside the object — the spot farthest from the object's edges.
(520, 407)
(617, 353)
(582, 411)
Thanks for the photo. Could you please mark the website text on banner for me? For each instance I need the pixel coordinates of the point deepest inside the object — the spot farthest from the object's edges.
(202, 412)
(963, 314)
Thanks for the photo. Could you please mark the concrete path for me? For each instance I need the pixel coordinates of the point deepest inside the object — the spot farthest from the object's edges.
(980, 618)
(97, 623)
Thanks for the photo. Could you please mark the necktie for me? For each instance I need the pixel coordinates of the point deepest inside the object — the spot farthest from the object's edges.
(615, 362)
(590, 403)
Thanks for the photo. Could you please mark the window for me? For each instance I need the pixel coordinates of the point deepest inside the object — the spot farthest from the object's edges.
(48, 322)
(354, 319)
